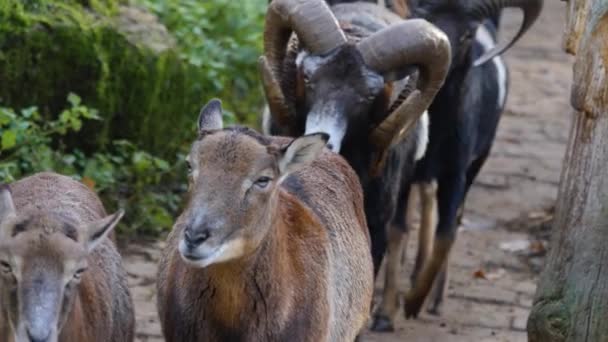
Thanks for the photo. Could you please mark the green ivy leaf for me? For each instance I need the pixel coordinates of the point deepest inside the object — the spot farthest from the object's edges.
(76, 124)
(91, 114)
(162, 165)
(65, 116)
(29, 112)
(6, 116)
(9, 139)
(141, 161)
(74, 99)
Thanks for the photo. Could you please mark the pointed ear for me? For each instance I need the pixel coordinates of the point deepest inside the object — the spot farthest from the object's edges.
(301, 152)
(210, 117)
(100, 229)
(7, 207)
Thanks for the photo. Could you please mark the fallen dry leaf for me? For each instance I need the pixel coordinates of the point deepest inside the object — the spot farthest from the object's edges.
(479, 274)
(537, 248)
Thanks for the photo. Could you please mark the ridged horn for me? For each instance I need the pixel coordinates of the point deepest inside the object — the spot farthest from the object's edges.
(414, 42)
(318, 31)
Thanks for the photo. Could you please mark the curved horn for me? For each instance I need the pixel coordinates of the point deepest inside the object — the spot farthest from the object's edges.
(414, 42)
(279, 108)
(485, 8)
(317, 29)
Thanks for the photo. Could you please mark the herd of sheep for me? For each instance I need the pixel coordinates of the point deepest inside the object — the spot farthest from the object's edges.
(284, 232)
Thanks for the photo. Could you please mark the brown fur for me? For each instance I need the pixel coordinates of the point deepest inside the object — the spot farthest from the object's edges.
(310, 278)
(415, 298)
(102, 309)
(428, 222)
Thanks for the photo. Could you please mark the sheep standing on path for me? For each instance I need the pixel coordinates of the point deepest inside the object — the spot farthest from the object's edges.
(61, 277)
(273, 243)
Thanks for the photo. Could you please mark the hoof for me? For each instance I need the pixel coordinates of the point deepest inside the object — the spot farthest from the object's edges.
(382, 324)
(434, 310)
(413, 306)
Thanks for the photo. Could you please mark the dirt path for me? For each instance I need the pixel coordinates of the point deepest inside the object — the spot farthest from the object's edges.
(520, 179)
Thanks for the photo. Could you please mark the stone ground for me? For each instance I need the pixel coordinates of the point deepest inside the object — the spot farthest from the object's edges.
(493, 268)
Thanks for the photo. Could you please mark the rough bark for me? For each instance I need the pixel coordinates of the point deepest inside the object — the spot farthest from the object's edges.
(571, 302)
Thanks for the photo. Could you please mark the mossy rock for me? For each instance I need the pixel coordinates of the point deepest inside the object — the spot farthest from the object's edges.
(119, 59)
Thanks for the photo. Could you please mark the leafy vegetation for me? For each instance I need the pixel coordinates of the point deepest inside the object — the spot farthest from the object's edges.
(224, 39)
(124, 176)
(147, 79)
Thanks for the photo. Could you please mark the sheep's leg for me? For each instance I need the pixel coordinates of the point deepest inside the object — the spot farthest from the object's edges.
(377, 223)
(389, 305)
(397, 241)
(440, 287)
(441, 283)
(379, 242)
(450, 194)
(428, 221)
(414, 299)
(378, 220)
(439, 290)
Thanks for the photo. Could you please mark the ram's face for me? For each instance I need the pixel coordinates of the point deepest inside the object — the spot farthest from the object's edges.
(454, 20)
(336, 93)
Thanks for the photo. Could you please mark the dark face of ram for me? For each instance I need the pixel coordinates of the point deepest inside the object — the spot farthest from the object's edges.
(339, 93)
(343, 88)
(455, 21)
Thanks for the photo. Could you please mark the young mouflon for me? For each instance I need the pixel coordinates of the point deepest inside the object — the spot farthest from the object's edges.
(61, 277)
(272, 245)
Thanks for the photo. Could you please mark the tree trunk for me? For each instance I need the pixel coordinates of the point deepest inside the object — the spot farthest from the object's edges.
(571, 302)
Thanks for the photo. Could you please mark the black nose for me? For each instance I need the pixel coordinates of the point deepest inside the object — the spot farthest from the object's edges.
(34, 338)
(193, 239)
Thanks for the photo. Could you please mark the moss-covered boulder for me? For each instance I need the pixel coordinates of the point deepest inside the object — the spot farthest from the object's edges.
(119, 59)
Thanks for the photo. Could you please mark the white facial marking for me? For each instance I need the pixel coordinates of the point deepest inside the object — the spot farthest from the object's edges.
(484, 38)
(308, 62)
(328, 122)
(213, 255)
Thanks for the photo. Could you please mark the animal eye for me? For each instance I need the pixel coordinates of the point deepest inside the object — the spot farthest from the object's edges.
(262, 182)
(78, 273)
(189, 166)
(5, 267)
